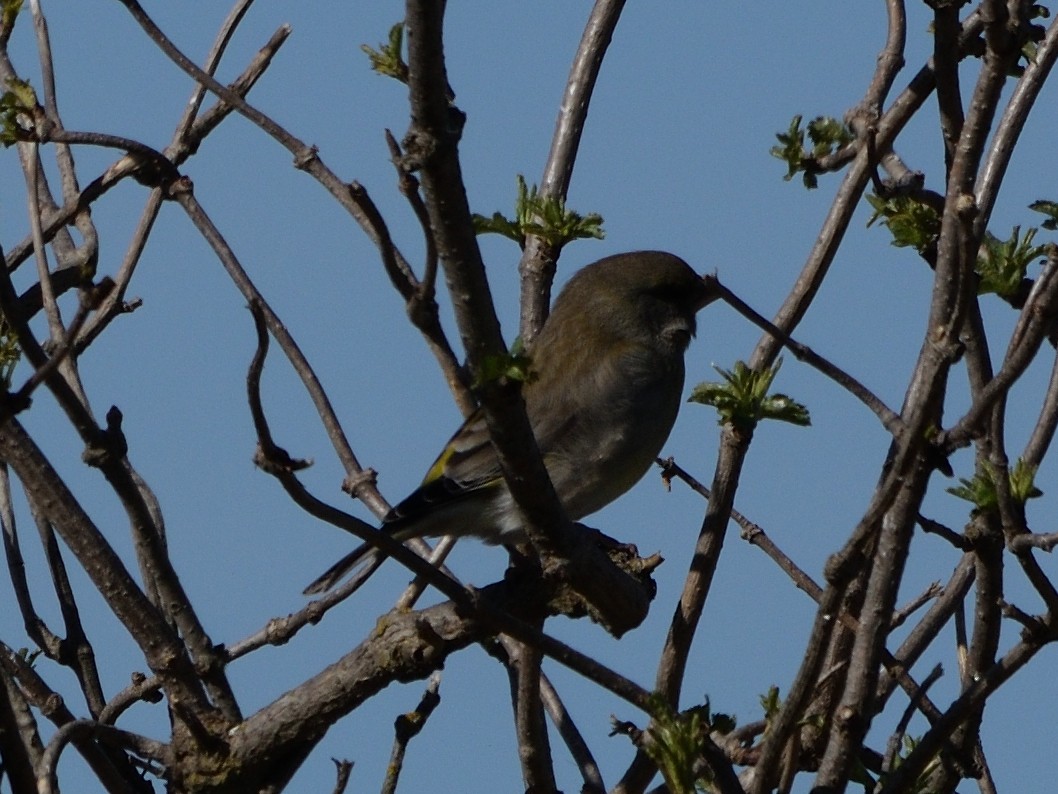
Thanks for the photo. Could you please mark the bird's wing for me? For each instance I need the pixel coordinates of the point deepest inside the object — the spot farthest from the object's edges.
(467, 465)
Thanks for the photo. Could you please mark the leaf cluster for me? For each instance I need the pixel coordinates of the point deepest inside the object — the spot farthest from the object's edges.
(677, 741)
(1048, 208)
(826, 135)
(1002, 264)
(921, 784)
(515, 365)
(742, 400)
(388, 59)
(541, 216)
(912, 223)
(980, 490)
(15, 103)
(1032, 36)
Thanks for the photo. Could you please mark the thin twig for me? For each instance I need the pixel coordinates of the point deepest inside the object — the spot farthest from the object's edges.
(896, 666)
(890, 419)
(1032, 540)
(538, 261)
(406, 727)
(365, 489)
(896, 739)
(146, 748)
(343, 769)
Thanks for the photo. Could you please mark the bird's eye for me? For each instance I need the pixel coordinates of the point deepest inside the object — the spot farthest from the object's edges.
(678, 334)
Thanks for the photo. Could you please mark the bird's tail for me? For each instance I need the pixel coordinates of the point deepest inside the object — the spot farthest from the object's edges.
(361, 555)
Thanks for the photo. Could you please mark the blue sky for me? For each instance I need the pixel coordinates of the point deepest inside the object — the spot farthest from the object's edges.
(675, 156)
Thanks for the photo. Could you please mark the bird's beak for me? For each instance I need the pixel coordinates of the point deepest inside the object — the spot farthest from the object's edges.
(708, 292)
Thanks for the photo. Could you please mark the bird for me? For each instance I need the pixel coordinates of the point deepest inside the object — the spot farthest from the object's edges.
(606, 382)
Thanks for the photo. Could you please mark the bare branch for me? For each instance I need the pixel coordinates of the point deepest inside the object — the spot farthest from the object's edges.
(538, 262)
(364, 489)
(1008, 130)
(534, 748)
(141, 745)
(889, 419)
(407, 727)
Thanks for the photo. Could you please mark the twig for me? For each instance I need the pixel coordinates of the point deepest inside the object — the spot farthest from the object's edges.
(20, 744)
(36, 628)
(74, 650)
(365, 489)
(280, 630)
(534, 748)
(406, 727)
(432, 143)
(538, 261)
(110, 770)
(306, 157)
(947, 53)
(419, 300)
(400, 272)
(43, 486)
(895, 666)
(51, 308)
(164, 652)
(1022, 99)
(1043, 431)
(936, 528)
(567, 729)
(189, 134)
(1029, 622)
(1034, 321)
(672, 661)
(343, 769)
(890, 419)
(65, 346)
(971, 699)
(209, 66)
(505, 649)
(68, 253)
(927, 595)
(47, 781)
(1033, 540)
(896, 739)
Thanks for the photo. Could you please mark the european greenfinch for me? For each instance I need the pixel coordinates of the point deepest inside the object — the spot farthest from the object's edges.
(606, 383)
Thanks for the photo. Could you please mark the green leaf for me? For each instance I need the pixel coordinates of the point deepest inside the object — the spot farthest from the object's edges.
(826, 134)
(676, 743)
(743, 400)
(921, 784)
(1002, 264)
(547, 218)
(912, 223)
(770, 703)
(498, 224)
(388, 59)
(791, 148)
(514, 366)
(17, 105)
(1022, 482)
(1048, 208)
(980, 490)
